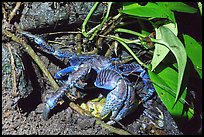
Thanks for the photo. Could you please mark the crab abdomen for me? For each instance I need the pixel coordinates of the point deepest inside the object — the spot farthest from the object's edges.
(107, 79)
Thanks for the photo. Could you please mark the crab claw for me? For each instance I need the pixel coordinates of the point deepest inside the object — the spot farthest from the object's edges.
(52, 102)
(127, 69)
(129, 105)
(115, 100)
(120, 101)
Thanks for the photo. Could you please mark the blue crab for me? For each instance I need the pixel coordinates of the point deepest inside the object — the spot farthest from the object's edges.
(111, 75)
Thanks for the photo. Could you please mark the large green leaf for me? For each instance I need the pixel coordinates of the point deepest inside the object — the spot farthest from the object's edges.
(169, 40)
(194, 52)
(150, 10)
(165, 83)
(178, 6)
(161, 51)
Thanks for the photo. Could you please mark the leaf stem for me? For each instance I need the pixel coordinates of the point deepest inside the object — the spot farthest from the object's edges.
(129, 50)
(103, 21)
(87, 18)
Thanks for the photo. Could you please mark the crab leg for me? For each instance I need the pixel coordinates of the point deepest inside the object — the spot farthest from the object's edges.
(64, 71)
(148, 85)
(74, 60)
(127, 69)
(73, 78)
(49, 49)
(52, 102)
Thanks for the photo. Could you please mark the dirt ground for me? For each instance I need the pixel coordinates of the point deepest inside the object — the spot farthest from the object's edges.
(68, 122)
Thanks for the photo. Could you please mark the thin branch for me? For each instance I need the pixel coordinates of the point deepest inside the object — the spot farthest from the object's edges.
(94, 51)
(129, 50)
(79, 47)
(109, 51)
(103, 21)
(13, 13)
(13, 71)
(30, 51)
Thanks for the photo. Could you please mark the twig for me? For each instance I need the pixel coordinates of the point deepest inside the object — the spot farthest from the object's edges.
(108, 52)
(111, 128)
(30, 51)
(79, 109)
(65, 32)
(12, 14)
(91, 52)
(4, 13)
(120, 40)
(114, 23)
(13, 71)
(78, 51)
(103, 21)
(125, 128)
(55, 42)
(93, 29)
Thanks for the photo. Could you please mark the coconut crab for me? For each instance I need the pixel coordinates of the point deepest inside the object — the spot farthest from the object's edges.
(111, 75)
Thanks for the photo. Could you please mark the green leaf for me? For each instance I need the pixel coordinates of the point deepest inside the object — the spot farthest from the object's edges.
(169, 13)
(173, 27)
(176, 47)
(194, 52)
(178, 6)
(161, 51)
(164, 80)
(129, 5)
(200, 7)
(150, 10)
(144, 32)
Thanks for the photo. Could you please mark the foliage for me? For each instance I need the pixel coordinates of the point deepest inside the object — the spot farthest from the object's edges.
(169, 65)
(194, 52)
